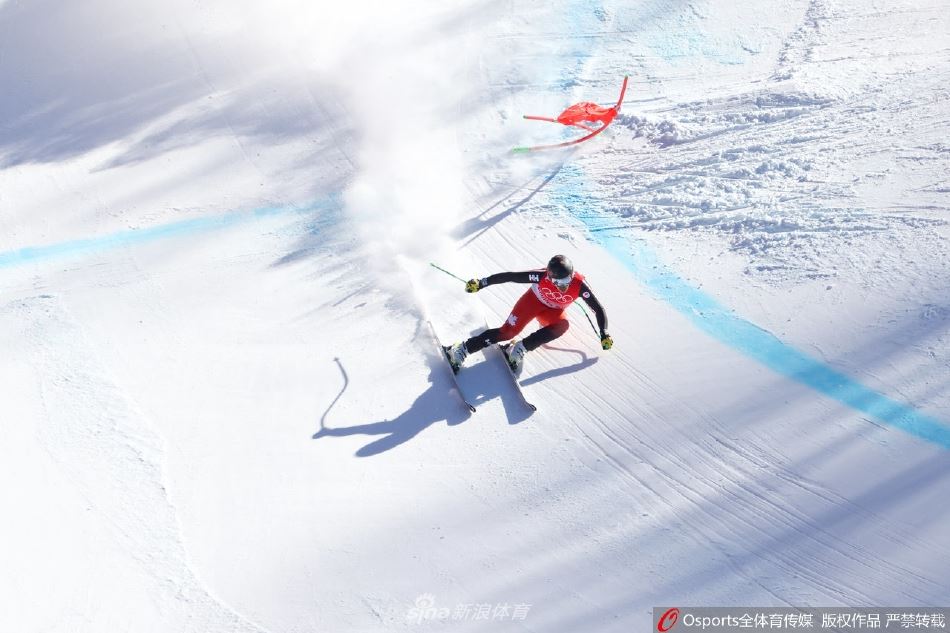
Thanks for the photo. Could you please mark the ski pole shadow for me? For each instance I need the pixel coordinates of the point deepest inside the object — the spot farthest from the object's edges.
(474, 227)
(584, 363)
(346, 383)
(432, 406)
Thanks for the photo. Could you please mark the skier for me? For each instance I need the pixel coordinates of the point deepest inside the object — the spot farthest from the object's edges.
(552, 290)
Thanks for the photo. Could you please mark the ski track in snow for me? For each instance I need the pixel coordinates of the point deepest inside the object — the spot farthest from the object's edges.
(739, 168)
(759, 194)
(733, 475)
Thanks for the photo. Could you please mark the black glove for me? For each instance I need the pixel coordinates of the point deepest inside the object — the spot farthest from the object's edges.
(605, 341)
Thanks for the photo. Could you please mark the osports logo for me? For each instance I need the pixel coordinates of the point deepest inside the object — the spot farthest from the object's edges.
(668, 620)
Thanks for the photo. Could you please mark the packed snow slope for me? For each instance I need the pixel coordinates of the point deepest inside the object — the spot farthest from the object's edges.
(222, 405)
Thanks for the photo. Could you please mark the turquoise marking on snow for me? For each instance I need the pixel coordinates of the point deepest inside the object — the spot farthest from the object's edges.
(139, 236)
(722, 324)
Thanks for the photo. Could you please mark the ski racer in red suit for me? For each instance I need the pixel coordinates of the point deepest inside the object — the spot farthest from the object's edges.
(552, 290)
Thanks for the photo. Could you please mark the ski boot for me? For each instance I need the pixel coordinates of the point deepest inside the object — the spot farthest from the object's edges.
(514, 354)
(456, 355)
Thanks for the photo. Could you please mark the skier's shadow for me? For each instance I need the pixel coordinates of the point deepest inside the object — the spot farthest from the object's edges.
(584, 363)
(435, 404)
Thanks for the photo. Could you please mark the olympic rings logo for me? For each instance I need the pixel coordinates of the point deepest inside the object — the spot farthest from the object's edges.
(555, 296)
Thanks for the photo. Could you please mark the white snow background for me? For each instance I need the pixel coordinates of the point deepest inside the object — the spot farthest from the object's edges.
(221, 404)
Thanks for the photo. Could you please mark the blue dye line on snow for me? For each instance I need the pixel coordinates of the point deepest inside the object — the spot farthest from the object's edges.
(719, 322)
(129, 237)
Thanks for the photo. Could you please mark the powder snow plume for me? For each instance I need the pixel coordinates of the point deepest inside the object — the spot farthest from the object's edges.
(406, 195)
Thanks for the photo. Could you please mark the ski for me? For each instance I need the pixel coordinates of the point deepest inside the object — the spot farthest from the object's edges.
(458, 387)
(503, 348)
(444, 350)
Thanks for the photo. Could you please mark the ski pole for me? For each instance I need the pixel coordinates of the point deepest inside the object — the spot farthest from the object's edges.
(588, 318)
(447, 272)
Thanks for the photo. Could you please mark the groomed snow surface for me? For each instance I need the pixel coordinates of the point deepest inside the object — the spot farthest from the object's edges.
(222, 407)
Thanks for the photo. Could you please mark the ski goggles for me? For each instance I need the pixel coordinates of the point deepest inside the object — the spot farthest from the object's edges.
(563, 282)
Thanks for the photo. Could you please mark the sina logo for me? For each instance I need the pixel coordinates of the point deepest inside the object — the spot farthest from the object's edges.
(668, 620)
